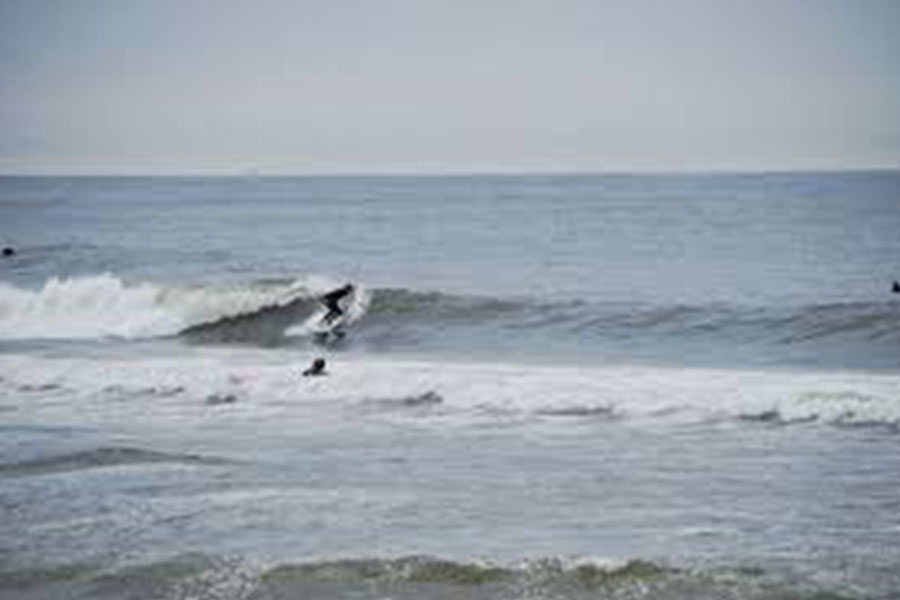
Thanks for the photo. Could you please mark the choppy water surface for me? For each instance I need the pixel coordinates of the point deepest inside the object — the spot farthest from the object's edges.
(551, 387)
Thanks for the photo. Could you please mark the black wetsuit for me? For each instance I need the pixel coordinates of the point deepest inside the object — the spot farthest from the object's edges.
(317, 368)
(331, 300)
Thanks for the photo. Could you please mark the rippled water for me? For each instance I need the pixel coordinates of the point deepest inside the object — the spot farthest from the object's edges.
(553, 387)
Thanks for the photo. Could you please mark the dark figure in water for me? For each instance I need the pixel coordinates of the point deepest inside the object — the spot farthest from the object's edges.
(896, 288)
(331, 301)
(8, 251)
(317, 368)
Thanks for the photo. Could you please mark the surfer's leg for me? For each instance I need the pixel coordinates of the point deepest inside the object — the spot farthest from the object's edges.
(334, 311)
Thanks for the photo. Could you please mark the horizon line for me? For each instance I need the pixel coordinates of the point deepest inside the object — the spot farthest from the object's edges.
(498, 172)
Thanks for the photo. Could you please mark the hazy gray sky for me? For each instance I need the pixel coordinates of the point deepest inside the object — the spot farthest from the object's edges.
(447, 85)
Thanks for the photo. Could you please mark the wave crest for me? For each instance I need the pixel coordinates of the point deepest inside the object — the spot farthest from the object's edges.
(104, 456)
(273, 312)
(783, 324)
(105, 306)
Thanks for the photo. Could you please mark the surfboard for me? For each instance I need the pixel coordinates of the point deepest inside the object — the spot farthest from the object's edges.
(319, 326)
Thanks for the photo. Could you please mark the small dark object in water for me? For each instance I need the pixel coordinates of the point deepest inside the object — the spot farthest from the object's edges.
(424, 400)
(896, 288)
(317, 368)
(579, 411)
(8, 251)
(766, 416)
(217, 399)
(429, 398)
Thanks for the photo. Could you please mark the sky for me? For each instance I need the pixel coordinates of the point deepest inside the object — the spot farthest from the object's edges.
(435, 86)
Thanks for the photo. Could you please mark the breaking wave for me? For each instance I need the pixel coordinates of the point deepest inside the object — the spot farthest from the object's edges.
(104, 306)
(278, 312)
(437, 391)
(105, 456)
(409, 577)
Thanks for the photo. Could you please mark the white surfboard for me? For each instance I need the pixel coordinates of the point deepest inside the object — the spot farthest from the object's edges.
(319, 326)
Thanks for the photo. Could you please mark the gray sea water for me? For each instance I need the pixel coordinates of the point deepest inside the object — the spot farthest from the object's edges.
(607, 386)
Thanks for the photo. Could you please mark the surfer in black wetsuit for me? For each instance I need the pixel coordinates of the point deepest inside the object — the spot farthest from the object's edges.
(896, 288)
(317, 368)
(331, 301)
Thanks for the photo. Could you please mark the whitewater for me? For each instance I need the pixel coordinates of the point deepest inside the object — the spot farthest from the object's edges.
(549, 387)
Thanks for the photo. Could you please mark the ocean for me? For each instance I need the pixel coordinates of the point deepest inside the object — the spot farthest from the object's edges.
(551, 387)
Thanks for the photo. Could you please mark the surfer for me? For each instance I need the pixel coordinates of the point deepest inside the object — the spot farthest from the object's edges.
(9, 251)
(332, 299)
(896, 288)
(317, 368)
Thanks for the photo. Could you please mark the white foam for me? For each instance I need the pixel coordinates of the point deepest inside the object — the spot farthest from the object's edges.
(105, 306)
(269, 385)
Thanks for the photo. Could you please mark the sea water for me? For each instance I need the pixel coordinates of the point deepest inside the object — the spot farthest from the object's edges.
(608, 386)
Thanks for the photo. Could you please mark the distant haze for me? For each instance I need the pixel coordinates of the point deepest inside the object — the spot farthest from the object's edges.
(372, 86)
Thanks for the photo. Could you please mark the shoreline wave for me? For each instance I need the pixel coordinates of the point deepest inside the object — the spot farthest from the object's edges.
(415, 576)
